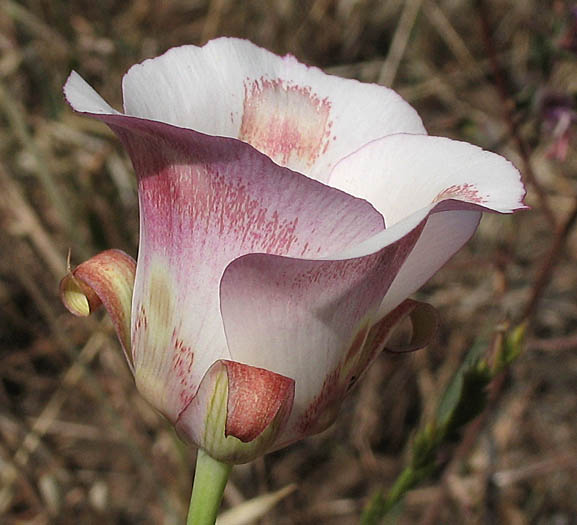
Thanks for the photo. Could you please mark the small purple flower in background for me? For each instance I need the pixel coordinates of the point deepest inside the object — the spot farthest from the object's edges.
(559, 115)
(286, 217)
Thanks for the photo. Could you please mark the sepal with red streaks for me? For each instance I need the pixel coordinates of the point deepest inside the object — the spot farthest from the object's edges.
(237, 412)
(105, 279)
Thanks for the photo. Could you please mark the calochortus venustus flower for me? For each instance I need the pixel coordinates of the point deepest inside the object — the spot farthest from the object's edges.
(286, 216)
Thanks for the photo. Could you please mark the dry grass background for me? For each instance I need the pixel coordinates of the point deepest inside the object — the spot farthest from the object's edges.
(77, 443)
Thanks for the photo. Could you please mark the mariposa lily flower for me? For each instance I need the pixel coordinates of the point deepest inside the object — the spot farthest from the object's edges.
(286, 217)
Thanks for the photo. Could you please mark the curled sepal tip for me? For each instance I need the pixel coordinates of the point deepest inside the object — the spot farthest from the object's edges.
(237, 412)
(424, 322)
(107, 279)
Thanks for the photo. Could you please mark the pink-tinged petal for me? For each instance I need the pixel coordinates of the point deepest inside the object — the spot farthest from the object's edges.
(403, 173)
(306, 319)
(323, 409)
(313, 318)
(444, 235)
(238, 411)
(108, 279)
(301, 117)
(204, 202)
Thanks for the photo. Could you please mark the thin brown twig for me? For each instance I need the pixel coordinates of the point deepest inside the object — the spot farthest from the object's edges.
(564, 460)
(399, 42)
(19, 217)
(568, 342)
(549, 262)
(507, 104)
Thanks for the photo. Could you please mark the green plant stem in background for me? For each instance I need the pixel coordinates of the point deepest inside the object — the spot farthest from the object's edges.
(464, 399)
(210, 478)
(381, 506)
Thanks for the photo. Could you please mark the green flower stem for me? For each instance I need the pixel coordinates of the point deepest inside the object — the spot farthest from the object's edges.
(210, 478)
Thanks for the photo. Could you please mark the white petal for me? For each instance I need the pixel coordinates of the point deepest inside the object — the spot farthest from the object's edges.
(402, 173)
(82, 97)
(299, 116)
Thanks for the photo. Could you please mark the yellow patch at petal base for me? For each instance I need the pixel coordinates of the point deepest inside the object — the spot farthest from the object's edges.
(160, 296)
(162, 360)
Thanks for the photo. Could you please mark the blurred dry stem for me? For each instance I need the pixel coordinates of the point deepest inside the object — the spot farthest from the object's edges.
(77, 444)
(507, 105)
(399, 43)
(551, 259)
(25, 222)
(47, 417)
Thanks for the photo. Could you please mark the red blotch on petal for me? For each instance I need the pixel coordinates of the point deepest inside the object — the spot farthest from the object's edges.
(289, 123)
(467, 192)
(182, 362)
